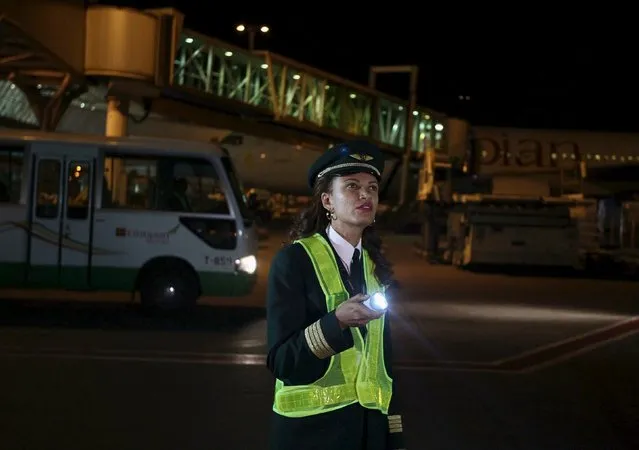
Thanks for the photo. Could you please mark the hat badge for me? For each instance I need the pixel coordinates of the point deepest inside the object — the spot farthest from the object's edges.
(361, 156)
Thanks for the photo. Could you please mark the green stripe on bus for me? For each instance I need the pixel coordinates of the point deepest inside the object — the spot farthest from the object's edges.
(12, 275)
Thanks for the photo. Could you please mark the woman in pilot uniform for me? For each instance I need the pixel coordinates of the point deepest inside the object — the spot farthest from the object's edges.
(330, 353)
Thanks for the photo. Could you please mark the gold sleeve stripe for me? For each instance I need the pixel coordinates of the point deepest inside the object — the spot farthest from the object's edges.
(317, 342)
(313, 342)
(320, 340)
(319, 347)
(323, 340)
(395, 424)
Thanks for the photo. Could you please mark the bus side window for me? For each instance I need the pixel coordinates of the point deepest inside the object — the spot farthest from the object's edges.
(163, 183)
(11, 162)
(129, 183)
(48, 189)
(197, 184)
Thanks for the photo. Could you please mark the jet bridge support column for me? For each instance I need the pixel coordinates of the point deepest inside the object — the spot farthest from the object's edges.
(117, 124)
(117, 117)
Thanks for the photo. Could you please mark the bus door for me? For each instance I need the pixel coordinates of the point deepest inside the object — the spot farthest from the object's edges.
(60, 226)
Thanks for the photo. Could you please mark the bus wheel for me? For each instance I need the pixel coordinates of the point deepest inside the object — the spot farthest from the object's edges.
(168, 286)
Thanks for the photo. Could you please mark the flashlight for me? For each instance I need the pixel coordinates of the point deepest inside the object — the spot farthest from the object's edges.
(376, 302)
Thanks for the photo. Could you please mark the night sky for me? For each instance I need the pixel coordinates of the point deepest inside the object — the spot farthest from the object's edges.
(531, 67)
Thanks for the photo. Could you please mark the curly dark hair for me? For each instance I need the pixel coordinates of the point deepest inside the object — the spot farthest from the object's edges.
(313, 220)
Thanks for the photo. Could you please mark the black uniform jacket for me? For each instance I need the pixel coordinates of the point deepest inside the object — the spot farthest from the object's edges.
(295, 301)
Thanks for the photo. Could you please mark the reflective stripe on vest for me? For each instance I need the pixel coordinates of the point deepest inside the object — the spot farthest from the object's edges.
(354, 375)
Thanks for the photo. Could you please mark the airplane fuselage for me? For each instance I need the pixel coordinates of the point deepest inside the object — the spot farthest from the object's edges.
(516, 150)
(282, 167)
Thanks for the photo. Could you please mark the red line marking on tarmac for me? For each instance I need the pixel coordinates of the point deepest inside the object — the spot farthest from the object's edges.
(525, 362)
(150, 356)
(569, 348)
(536, 358)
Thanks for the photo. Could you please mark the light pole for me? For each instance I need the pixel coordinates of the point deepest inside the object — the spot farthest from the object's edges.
(413, 71)
(252, 30)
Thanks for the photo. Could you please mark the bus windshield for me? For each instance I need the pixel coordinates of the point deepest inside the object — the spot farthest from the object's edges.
(236, 186)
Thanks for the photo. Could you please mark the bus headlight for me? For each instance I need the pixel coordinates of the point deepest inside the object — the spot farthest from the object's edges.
(377, 302)
(247, 264)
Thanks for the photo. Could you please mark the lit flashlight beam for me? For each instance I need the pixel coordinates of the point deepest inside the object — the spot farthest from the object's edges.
(377, 302)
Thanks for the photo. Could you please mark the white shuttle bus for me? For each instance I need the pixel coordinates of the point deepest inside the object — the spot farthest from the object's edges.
(164, 218)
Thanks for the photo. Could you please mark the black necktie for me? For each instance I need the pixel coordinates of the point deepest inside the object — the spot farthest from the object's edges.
(354, 261)
(356, 274)
(357, 281)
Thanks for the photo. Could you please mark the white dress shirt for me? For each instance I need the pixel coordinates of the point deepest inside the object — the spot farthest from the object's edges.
(343, 248)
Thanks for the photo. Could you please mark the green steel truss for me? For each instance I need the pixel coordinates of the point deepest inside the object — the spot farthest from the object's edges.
(290, 90)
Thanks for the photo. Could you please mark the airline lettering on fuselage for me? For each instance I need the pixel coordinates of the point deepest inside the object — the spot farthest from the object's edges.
(523, 152)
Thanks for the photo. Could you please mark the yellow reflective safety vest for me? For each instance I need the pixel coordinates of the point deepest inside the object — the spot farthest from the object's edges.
(354, 375)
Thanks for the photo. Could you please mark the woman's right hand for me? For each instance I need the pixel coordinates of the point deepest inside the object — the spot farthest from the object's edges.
(352, 313)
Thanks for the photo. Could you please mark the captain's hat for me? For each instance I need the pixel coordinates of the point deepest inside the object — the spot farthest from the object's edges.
(348, 158)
